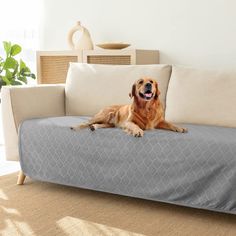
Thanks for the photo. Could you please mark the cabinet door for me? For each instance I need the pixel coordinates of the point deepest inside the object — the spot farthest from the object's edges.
(109, 59)
(52, 66)
(53, 69)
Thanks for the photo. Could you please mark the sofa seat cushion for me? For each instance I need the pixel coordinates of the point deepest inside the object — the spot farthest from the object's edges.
(202, 97)
(90, 88)
(196, 169)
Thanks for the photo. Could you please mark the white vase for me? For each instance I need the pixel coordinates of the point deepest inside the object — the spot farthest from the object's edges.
(85, 41)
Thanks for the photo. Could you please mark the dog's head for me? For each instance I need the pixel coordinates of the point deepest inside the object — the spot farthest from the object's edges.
(145, 89)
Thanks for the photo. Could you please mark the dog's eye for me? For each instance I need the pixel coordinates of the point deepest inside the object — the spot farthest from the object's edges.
(141, 81)
(151, 81)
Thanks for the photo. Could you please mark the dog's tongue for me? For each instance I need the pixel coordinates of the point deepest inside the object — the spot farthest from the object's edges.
(148, 95)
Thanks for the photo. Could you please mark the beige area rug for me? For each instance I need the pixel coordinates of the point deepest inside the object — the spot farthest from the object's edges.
(38, 208)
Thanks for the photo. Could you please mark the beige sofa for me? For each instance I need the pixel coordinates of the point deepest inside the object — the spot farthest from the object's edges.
(196, 169)
(189, 95)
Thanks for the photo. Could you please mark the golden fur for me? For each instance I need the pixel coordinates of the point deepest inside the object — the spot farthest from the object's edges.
(145, 112)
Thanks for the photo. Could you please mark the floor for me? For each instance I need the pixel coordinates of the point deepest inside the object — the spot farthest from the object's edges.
(6, 167)
(45, 209)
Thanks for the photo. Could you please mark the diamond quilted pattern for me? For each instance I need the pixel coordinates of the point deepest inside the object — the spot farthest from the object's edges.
(196, 169)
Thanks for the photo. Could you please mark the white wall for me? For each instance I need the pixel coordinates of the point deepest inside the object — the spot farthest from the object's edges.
(199, 33)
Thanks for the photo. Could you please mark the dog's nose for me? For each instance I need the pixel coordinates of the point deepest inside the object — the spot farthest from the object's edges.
(148, 86)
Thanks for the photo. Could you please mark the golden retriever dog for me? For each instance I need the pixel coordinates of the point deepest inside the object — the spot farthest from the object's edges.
(145, 112)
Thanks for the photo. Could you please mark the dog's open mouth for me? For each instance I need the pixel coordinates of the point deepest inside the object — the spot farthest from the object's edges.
(147, 95)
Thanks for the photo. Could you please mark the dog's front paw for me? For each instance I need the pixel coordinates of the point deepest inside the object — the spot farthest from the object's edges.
(92, 127)
(181, 130)
(137, 133)
(184, 130)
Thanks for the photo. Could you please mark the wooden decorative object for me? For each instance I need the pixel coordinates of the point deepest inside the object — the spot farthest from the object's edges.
(113, 45)
(85, 41)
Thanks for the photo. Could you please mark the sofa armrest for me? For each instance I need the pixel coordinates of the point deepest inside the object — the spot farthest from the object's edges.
(24, 102)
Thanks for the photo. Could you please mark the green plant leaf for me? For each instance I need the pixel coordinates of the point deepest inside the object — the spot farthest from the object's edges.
(1, 62)
(2, 82)
(1, 65)
(32, 75)
(5, 79)
(22, 65)
(15, 82)
(12, 71)
(9, 75)
(15, 49)
(15, 70)
(10, 63)
(7, 47)
(23, 79)
(26, 73)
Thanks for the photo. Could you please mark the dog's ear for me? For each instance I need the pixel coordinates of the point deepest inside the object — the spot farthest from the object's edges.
(132, 94)
(157, 92)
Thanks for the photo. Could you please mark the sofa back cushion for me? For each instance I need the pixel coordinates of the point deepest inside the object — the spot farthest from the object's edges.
(90, 88)
(201, 97)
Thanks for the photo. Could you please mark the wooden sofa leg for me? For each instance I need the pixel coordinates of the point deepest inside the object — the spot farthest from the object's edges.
(21, 178)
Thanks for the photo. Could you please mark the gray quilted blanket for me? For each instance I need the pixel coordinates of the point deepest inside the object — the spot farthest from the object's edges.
(197, 169)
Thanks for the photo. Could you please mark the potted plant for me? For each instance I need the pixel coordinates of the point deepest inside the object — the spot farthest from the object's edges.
(13, 71)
